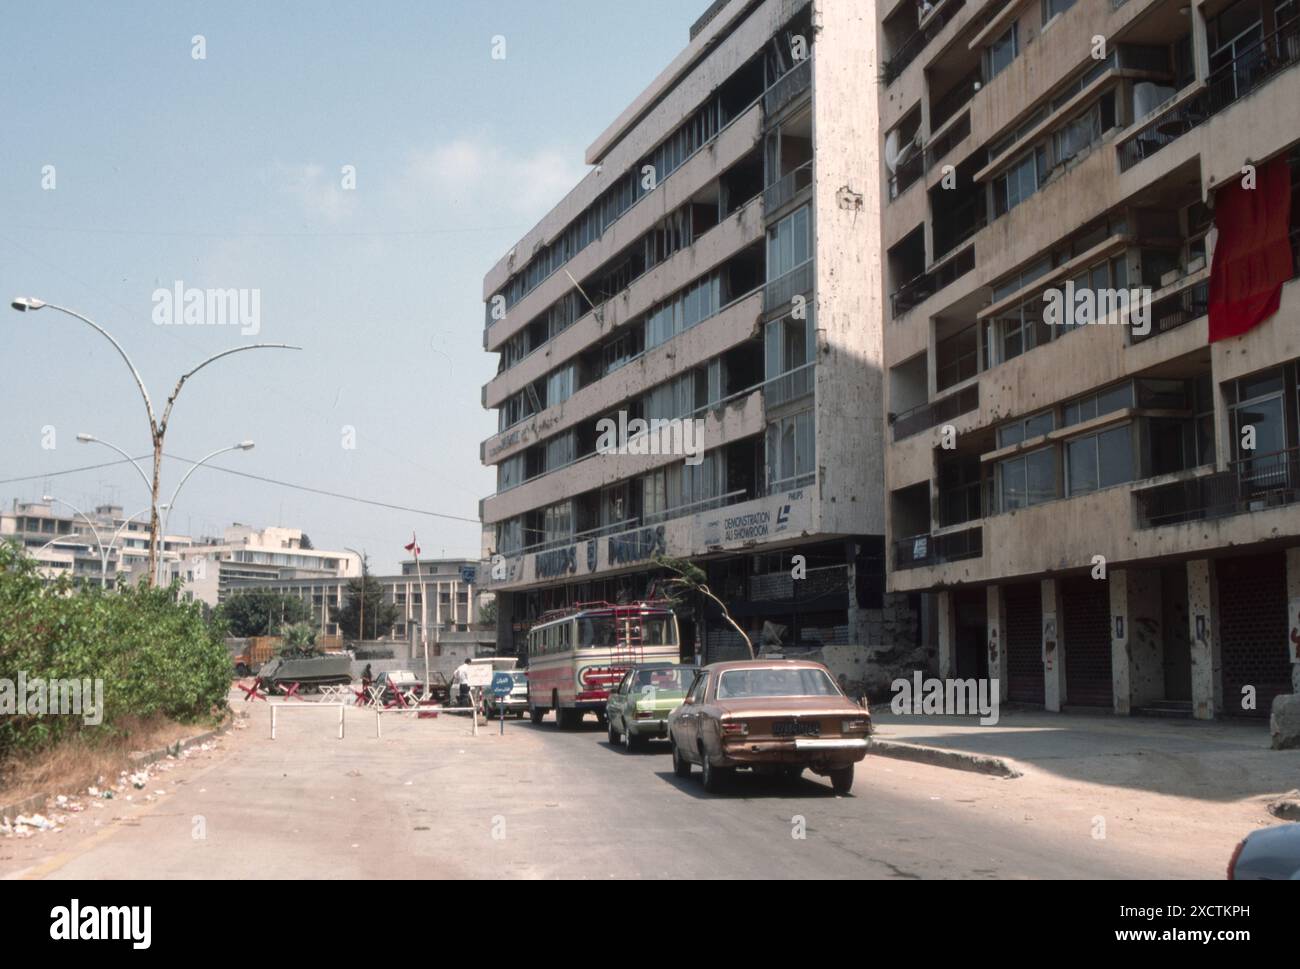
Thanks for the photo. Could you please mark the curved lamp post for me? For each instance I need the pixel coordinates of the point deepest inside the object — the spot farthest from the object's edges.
(103, 556)
(157, 424)
(241, 446)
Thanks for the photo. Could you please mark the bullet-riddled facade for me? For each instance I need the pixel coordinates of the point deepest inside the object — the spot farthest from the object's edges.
(1104, 508)
(719, 265)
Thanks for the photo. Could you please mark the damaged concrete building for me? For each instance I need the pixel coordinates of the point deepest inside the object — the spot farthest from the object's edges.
(1105, 508)
(719, 264)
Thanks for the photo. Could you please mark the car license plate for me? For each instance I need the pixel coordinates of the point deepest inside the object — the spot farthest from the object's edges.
(796, 728)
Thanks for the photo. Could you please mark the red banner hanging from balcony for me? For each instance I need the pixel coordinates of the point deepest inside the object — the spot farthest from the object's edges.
(1252, 257)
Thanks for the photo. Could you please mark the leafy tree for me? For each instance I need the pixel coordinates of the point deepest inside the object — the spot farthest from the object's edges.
(380, 616)
(306, 542)
(261, 612)
(487, 613)
(688, 578)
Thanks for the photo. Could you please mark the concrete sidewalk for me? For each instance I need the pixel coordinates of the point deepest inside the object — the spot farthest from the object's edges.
(1209, 760)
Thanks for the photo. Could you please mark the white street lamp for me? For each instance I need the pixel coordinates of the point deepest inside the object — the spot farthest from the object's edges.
(157, 425)
(241, 446)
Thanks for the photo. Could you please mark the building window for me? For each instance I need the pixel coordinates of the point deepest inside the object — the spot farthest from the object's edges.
(1027, 479)
(1054, 8)
(1099, 460)
(788, 244)
(1095, 405)
(1019, 181)
(791, 451)
(1026, 428)
(1001, 53)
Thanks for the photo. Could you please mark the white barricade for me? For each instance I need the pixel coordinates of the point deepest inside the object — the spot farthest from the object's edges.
(314, 706)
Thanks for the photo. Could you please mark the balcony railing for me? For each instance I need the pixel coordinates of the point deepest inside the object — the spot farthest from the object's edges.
(924, 550)
(780, 292)
(954, 100)
(1252, 484)
(783, 191)
(927, 415)
(1252, 68)
(790, 386)
(920, 288)
(906, 175)
(787, 87)
(913, 45)
(704, 504)
(1172, 311)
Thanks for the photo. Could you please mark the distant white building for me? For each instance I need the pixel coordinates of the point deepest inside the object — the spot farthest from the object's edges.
(97, 546)
(210, 566)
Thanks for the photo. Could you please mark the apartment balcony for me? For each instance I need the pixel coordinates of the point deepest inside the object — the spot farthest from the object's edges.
(1251, 69)
(787, 87)
(930, 414)
(926, 31)
(786, 189)
(1250, 485)
(1176, 309)
(926, 550)
(788, 387)
(917, 290)
(779, 294)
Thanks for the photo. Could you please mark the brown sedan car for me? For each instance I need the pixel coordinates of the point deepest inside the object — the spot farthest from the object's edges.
(775, 716)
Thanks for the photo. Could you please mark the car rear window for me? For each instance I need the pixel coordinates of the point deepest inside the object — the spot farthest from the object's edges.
(774, 681)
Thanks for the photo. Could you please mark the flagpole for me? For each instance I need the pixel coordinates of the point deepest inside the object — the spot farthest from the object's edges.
(424, 635)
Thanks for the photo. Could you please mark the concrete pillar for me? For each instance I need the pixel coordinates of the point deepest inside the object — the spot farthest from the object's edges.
(1136, 638)
(1293, 614)
(996, 622)
(947, 633)
(1203, 627)
(1053, 647)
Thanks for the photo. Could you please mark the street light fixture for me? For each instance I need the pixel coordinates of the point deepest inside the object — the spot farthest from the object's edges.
(241, 446)
(157, 424)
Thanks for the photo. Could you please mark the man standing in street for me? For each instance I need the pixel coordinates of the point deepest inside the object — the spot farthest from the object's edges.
(460, 678)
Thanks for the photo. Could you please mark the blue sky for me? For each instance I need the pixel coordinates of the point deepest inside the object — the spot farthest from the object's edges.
(226, 172)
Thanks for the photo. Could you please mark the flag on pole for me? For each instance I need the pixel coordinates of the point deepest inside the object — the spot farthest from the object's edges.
(413, 548)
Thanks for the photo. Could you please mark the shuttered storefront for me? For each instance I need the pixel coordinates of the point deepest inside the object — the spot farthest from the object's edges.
(1253, 631)
(1085, 629)
(1023, 607)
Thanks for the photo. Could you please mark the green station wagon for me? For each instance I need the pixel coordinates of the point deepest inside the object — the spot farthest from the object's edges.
(638, 708)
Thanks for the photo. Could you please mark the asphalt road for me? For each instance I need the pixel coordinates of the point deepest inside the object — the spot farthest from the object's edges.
(430, 800)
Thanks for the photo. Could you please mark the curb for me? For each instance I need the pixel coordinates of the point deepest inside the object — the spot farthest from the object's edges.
(138, 758)
(938, 757)
(1286, 809)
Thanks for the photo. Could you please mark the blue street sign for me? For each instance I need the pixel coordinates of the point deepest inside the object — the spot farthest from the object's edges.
(469, 574)
(502, 684)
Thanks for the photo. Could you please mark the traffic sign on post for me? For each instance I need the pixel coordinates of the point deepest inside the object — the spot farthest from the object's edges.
(502, 684)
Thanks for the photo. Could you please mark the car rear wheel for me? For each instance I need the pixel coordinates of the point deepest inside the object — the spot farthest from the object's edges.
(613, 734)
(681, 766)
(632, 743)
(842, 780)
(715, 778)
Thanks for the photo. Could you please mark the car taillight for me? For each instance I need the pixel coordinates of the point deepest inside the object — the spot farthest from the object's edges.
(1232, 862)
(854, 726)
(734, 728)
(646, 714)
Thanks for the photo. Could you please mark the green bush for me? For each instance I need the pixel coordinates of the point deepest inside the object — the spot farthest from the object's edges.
(155, 656)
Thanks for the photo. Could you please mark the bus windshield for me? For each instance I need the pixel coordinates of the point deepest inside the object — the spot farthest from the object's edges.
(595, 632)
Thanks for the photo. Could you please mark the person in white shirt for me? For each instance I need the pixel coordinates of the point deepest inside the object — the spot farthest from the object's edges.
(460, 678)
